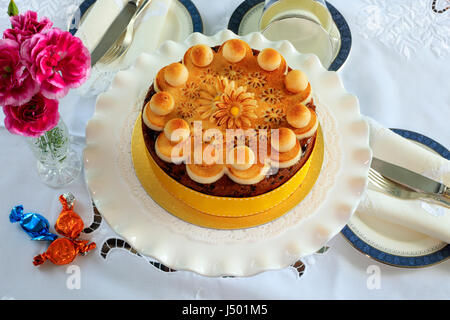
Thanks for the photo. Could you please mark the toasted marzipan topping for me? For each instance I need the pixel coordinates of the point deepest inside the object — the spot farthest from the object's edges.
(176, 74)
(296, 81)
(286, 140)
(286, 159)
(241, 157)
(205, 174)
(152, 120)
(169, 151)
(269, 59)
(234, 50)
(155, 83)
(252, 175)
(201, 55)
(209, 155)
(265, 61)
(309, 130)
(177, 130)
(309, 96)
(162, 103)
(298, 115)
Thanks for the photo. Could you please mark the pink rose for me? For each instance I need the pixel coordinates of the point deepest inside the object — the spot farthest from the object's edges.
(33, 118)
(25, 25)
(57, 60)
(16, 84)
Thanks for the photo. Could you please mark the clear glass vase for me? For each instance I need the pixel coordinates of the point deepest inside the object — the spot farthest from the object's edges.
(57, 163)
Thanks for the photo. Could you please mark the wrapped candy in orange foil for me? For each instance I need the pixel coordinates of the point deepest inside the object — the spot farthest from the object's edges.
(69, 223)
(63, 251)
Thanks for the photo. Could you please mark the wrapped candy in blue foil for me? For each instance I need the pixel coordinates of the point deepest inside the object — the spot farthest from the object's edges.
(32, 223)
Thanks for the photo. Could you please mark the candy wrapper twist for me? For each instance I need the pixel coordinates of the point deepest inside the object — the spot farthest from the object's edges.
(32, 223)
(69, 224)
(63, 251)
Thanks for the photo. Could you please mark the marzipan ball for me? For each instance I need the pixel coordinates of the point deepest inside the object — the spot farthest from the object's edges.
(269, 59)
(234, 50)
(162, 103)
(298, 115)
(176, 74)
(296, 81)
(201, 55)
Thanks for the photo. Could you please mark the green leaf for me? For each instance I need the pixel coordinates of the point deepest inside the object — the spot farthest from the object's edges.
(12, 9)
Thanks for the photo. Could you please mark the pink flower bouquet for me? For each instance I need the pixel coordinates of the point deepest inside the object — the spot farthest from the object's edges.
(38, 64)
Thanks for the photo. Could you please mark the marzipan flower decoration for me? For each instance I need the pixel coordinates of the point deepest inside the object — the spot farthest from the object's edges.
(191, 90)
(274, 116)
(208, 76)
(271, 95)
(233, 73)
(235, 108)
(186, 110)
(208, 95)
(256, 80)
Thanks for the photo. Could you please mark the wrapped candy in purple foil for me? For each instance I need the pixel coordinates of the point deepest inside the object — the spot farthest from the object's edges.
(32, 223)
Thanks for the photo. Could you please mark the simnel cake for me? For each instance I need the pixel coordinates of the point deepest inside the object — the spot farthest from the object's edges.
(230, 121)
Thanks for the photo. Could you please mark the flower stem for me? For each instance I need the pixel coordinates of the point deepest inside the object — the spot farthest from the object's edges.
(53, 143)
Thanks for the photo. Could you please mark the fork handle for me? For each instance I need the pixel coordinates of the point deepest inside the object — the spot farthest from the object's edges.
(142, 7)
(446, 192)
(441, 199)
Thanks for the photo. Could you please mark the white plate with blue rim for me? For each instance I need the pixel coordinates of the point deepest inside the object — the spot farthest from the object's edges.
(396, 245)
(186, 15)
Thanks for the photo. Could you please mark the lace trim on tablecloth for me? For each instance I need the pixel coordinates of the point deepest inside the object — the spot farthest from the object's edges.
(59, 12)
(407, 26)
(326, 179)
(101, 76)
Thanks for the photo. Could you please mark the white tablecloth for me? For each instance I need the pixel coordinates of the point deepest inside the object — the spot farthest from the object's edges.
(399, 69)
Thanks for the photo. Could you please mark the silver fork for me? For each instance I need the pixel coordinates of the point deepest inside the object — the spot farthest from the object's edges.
(124, 42)
(401, 191)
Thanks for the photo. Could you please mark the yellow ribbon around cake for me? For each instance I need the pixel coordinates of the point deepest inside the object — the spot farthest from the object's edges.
(222, 212)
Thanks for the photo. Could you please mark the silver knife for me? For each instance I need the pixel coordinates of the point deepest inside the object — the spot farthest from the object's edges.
(411, 179)
(114, 31)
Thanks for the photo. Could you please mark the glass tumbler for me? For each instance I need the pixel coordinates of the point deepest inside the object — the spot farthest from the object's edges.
(307, 24)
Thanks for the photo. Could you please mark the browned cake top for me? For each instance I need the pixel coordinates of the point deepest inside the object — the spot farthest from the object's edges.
(227, 116)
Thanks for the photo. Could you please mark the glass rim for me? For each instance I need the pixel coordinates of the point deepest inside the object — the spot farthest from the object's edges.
(331, 39)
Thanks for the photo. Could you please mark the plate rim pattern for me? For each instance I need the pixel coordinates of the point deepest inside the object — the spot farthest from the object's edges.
(422, 261)
(197, 21)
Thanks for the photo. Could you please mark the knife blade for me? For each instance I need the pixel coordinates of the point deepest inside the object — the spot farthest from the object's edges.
(114, 31)
(410, 178)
